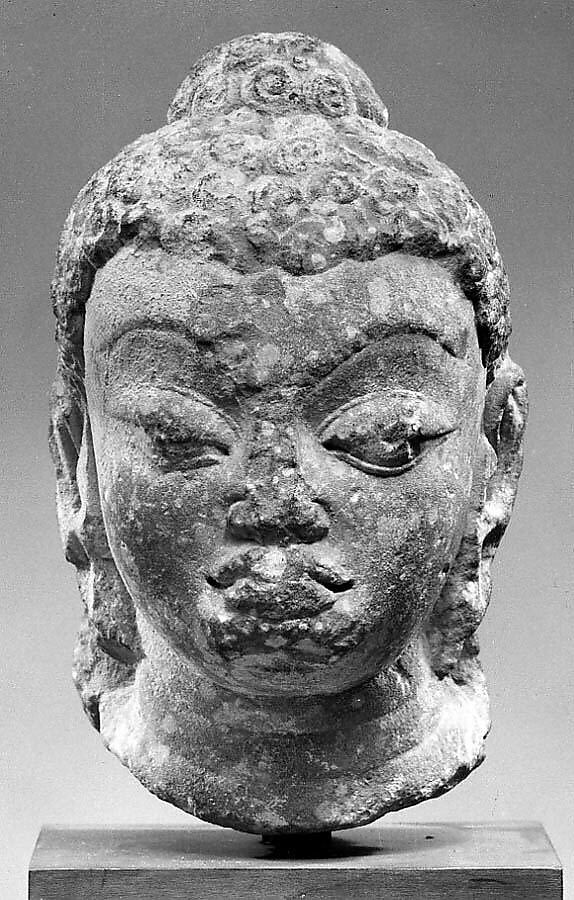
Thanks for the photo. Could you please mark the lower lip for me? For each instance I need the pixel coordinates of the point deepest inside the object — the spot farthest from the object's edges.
(257, 625)
(250, 633)
(244, 637)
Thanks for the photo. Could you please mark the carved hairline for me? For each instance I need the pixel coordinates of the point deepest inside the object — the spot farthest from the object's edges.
(469, 271)
(306, 131)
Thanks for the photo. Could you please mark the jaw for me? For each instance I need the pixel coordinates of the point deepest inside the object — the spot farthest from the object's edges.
(271, 654)
(284, 765)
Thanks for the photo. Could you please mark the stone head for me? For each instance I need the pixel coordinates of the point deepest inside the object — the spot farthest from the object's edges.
(286, 427)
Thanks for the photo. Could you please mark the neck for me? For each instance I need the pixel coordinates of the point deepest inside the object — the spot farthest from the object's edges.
(278, 765)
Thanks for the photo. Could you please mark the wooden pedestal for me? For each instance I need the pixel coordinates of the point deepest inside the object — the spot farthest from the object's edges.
(394, 862)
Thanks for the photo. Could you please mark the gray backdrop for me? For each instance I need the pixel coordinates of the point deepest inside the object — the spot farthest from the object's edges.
(486, 85)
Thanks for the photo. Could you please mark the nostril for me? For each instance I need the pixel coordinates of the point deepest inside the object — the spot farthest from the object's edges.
(309, 532)
(213, 582)
(337, 588)
(239, 515)
(236, 494)
(311, 521)
(252, 521)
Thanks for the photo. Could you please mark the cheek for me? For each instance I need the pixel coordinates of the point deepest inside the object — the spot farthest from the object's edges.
(400, 534)
(161, 527)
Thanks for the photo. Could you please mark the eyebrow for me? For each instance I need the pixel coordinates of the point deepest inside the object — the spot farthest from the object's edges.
(374, 332)
(453, 345)
(174, 326)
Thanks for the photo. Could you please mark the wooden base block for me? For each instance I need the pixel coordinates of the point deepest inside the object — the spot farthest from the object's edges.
(391, 862)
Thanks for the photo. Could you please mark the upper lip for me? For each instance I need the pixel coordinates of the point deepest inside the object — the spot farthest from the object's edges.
(330, 575)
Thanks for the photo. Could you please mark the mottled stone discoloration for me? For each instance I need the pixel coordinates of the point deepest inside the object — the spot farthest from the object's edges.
(287, 436)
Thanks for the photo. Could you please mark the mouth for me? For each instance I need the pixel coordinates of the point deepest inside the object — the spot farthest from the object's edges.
(275, 586)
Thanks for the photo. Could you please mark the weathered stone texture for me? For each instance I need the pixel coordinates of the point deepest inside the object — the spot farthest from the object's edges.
(287, 435)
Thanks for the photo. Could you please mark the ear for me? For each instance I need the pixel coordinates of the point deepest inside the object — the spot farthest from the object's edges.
(78, 498)
(464, 598)
(505, 414)
(109, 646)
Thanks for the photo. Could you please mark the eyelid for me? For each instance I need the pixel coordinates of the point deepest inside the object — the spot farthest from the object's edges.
(454, 345)
(391, 398)
(204, 401)
(164, 392)
(341, 409)
(429, 425)
(387, 471)
(371, 468)
(171, 329)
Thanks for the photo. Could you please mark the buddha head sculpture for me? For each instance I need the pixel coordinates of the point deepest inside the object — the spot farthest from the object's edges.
(287, 435)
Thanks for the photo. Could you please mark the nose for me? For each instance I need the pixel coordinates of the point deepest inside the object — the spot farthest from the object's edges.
(279, 507)
(278, 520)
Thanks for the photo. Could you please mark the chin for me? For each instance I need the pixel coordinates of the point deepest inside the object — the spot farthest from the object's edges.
(325, 654)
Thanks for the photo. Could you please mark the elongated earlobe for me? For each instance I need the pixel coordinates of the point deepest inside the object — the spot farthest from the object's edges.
(465, 596)
(79, 510)
(505, 414)
(88, 522)
(109, 647)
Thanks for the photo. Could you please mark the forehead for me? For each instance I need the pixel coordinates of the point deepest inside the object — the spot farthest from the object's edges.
(272, 325)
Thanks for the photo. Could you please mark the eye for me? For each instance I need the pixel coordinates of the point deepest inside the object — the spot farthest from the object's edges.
(384, 436)
(189, 435)
(188, 449)
(375, 451)
(182, 432)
